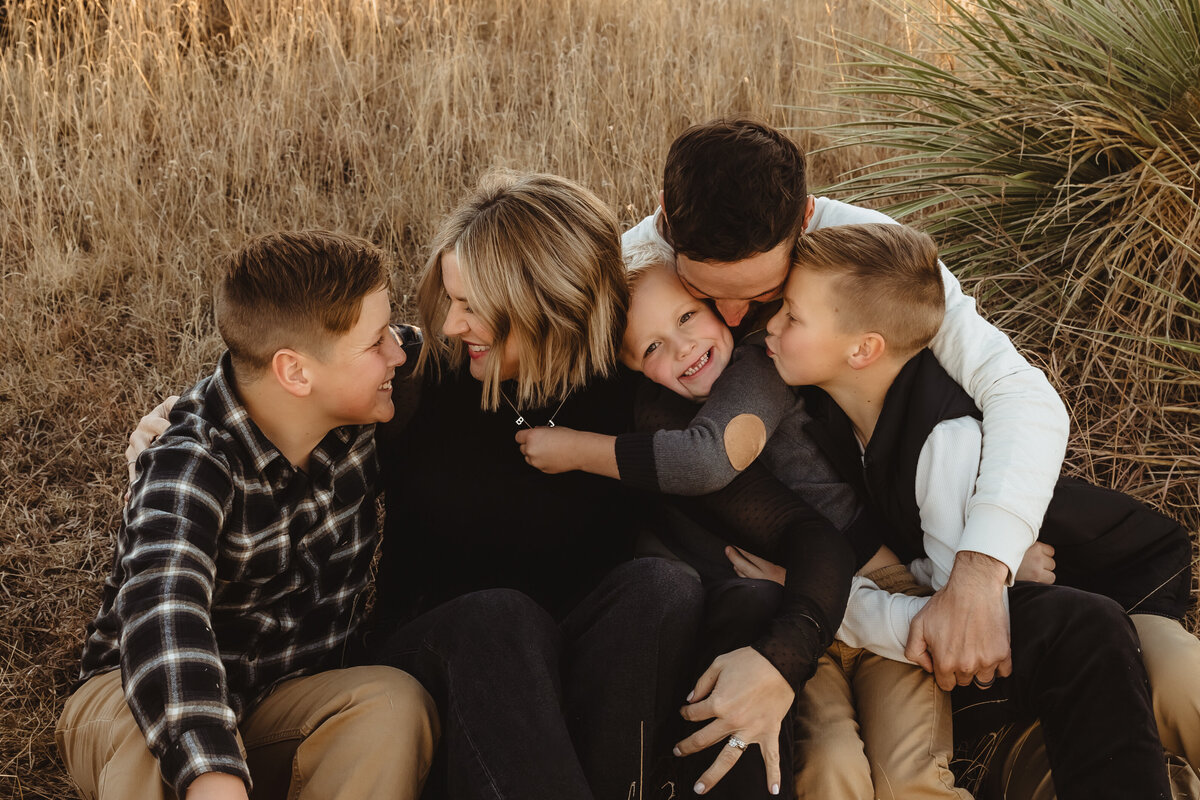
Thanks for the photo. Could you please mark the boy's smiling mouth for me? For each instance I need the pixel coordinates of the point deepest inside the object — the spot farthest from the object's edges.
(699, 365)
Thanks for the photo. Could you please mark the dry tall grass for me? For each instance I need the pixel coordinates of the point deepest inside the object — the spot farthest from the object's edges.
(138, 140)
(1053, 147)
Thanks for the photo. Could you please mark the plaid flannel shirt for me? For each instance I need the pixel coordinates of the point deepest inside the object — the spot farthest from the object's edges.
(233, 571)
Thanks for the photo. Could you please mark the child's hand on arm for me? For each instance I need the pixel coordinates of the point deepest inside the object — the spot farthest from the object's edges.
(559, 449)
(748, 565)
(1038, 564)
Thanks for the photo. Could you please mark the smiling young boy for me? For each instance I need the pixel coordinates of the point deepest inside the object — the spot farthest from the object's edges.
(859, 308)
(244, 550)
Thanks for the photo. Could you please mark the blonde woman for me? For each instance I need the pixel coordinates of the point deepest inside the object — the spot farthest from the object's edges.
(554, 657)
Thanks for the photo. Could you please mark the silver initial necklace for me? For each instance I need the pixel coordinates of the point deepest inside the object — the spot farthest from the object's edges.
(521, 417)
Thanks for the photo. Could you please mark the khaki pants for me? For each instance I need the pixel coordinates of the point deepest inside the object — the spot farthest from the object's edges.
(351, 734)
(870, 727)
(1172, 656)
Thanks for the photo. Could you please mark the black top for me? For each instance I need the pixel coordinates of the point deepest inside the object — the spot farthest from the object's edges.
(465, 512)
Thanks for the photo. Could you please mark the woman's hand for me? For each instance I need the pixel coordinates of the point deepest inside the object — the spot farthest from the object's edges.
(744, 696)
(149, 428)
(748, 565)
(1038, 564)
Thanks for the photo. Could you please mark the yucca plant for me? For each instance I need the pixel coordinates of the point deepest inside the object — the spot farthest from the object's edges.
(1052, 148)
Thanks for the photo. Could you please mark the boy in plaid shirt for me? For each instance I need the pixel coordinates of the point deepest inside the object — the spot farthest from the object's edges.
(245, 547)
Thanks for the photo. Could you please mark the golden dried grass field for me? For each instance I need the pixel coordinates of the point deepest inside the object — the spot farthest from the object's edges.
(140, 140)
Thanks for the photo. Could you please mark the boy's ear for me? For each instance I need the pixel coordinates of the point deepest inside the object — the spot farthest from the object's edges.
(290, 370)
(870, 348)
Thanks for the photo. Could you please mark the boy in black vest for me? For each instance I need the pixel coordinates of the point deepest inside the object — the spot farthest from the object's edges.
(860, 305)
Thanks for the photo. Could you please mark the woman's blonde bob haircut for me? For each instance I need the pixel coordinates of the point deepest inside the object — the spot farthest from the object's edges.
(540, 258)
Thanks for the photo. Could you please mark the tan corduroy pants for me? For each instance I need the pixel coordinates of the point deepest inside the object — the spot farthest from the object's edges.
(870, 727)
(349, 734)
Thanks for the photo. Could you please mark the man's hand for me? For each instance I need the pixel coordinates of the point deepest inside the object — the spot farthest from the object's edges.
(560, 449)
(1038, 564)
(217, 786)
(744, 696)
(748, 565)
(962, 632)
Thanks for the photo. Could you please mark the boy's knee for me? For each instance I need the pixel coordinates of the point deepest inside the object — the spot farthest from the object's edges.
(394, 700)
(1072, 618)
(832, 765)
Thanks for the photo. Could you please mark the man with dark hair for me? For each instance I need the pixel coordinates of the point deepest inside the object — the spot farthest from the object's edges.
(754, 221)
(731, 181)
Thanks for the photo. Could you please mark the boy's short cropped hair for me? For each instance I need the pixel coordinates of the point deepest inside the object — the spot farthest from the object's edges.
(641, 257)
(889, 280)
(733, 189)
(294, 289)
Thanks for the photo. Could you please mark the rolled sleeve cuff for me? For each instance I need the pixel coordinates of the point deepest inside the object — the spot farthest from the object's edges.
(635, 460)
(998, 533)
(201, 750)
(793, 647)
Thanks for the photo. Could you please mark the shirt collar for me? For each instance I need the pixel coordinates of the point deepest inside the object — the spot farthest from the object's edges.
(263, 455)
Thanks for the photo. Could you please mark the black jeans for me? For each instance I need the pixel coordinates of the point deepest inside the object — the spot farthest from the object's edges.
(534, 708)
(1077, 667)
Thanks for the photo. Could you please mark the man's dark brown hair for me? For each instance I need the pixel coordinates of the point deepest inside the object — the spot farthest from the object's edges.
(295, 289)
(732, 189)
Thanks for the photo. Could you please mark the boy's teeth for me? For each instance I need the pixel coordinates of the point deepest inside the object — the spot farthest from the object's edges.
(692, 370)
(385, 386)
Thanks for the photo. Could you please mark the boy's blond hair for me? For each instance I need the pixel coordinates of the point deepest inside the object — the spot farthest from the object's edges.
(541, 260)
(294, 289)
(645, 255)
(888, 280)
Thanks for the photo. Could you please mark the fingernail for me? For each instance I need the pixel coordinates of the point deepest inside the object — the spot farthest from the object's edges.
(689, 699)
(677, 751)
(774, 788)
(698, 788)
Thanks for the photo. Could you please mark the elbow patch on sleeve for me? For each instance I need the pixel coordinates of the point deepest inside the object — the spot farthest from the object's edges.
(745, 437)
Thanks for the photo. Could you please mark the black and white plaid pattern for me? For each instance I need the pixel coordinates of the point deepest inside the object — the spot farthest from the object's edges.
(233, 571)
